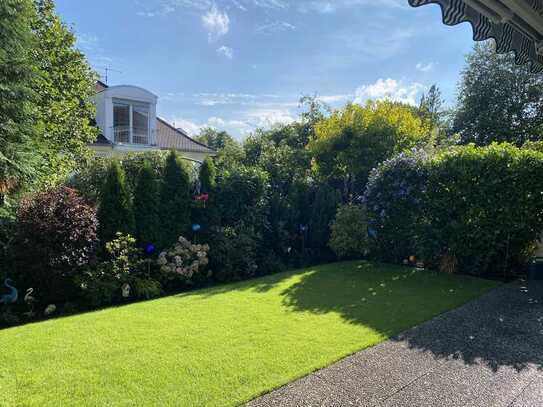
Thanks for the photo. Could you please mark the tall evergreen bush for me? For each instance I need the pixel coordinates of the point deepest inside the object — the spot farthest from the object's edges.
(174, 201)
(146, 206)
(115, 210)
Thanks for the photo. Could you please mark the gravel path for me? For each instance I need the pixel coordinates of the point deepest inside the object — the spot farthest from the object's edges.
(488, 352)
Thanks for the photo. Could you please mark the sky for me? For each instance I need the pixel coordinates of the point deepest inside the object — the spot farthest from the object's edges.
(237, 65)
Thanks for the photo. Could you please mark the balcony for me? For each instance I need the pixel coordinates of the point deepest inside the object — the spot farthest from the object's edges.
(131, 135)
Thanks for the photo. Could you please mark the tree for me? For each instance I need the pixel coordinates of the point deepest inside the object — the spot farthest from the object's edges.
(207, 176)
(431, 106)
(64, 87)
(115, 210)
(174, 200)
(146, 206)
(349, 237)
(215, 139)
(19, 161)
(498, 100)
(353, 140)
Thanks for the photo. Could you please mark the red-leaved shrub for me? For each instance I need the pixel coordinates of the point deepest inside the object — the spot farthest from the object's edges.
(56, 235)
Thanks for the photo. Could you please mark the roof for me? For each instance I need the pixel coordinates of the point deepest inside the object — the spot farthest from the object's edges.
(515, 25)
(169, 137)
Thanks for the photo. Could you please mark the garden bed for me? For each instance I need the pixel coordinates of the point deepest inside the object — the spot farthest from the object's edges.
(223, 345)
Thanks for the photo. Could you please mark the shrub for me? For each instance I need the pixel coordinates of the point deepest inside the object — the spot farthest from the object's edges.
(146, 207)
(184, 262)
(123, 267)
(174, 200)
(394, 197)
(323, 212)
(349, 237)
(478, 209)
(115, 211)
(207, 176)
(233, 254)
(55, 236)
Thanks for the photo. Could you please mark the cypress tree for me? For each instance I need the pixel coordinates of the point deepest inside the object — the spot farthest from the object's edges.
(115, 212)
(174, 201)
(207, 176)
(323, 212)
(146, 206)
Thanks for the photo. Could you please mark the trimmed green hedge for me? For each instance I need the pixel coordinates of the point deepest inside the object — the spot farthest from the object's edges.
(477, 208)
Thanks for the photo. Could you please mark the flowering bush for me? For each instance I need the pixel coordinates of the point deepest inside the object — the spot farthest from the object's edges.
(394, 197)
(184, 260)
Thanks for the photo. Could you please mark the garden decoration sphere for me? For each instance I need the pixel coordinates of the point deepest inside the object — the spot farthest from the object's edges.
(150, 248)
(196, 227)
(412, 259)
(50, 309)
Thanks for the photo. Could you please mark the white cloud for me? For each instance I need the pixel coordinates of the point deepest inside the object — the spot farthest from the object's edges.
(226, 51)
(269, 117)
(276, 26)
(322, 7)
(425, 67)
(216, 22)
(389, 89)
(335, 98)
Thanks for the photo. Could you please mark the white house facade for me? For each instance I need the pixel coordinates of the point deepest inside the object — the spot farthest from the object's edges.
(126, 117)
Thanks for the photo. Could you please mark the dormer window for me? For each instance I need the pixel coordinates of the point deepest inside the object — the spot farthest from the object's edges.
(131, 122)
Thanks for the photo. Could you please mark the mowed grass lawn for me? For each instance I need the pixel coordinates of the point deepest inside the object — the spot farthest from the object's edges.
(224, 345)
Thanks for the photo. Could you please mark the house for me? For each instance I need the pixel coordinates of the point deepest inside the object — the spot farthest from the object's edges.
(126, 117)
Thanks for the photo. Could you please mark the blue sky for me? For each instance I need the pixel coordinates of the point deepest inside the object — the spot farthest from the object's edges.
(240, 64)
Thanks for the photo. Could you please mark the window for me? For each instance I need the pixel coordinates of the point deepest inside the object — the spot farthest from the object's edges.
(130, 123)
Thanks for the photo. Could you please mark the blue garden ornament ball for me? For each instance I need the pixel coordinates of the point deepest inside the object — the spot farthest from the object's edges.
(150, 248)
(196, 227)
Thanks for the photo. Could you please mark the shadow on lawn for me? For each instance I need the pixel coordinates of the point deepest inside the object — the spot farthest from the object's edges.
(502, 328)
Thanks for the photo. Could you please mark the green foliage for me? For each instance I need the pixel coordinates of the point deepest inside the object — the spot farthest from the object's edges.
(498, 100)
(353, 140)
(146, 207)
(477, 207)
(217, 140)
(394, 202)
(64, 87)
(89, 178)
(55, 237)
(115, 210)
(349, 237)
(207, 176)
(233, 252)
(19, 160)
(174, 200)
(240, 195)
(323, 212)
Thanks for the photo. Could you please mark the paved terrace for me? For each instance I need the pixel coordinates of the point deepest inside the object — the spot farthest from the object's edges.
(488, 352)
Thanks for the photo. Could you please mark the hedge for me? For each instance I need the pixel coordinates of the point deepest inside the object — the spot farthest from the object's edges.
(478, 209)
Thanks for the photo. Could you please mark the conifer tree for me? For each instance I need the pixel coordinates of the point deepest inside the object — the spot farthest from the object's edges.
(146, 206)
(114, 211)
(174, 201)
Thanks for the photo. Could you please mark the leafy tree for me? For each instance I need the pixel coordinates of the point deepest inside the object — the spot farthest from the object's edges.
(64, 87)
(353, 140)
(498, 100)
(174, 200)
(215, 139)
(18, 105)
(207, 176)
(146, 206)
(115, 210)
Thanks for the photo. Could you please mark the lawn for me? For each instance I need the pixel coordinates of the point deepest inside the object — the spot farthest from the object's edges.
(224, 345)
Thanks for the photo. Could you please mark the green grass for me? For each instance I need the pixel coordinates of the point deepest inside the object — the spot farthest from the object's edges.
(224, 345)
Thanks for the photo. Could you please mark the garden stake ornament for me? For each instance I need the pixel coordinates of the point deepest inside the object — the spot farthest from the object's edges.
(10, 298)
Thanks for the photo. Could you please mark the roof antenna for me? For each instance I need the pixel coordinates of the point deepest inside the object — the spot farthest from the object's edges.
(107, 70)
